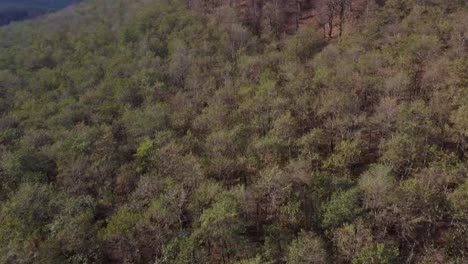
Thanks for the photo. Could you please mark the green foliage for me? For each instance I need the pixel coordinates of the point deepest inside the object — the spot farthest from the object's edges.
(307, 248)
(178, 250)
(313, 143)
(345, 155)
(342, 208)
(409, 147)
(204, 196)
(351, 239)
(277, 240)
(220, 226)
(120, 224)
(40, 224)
(250, 261)
(377, 254)
(304, 44)
(200, 132)
(376, 183)
(144, 149)
(459, 201)
(30, 165)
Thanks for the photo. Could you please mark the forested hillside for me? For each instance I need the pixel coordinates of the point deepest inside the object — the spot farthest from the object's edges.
(161, 131)
(15, 10)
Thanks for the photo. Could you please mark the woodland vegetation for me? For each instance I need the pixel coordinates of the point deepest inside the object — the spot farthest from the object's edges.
(147, 131)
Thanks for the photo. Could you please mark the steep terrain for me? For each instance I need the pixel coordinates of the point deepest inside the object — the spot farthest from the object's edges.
(161, 131)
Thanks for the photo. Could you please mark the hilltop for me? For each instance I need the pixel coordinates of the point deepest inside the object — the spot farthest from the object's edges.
(16, 10)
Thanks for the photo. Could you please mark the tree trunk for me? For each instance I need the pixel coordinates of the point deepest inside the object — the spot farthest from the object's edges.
(342, 13)
(298, 14)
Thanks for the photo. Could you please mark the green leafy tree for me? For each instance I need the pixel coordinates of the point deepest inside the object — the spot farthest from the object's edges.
(342, 208)
(307, 248)
(378, 254)
(410, 146)
(43, 225)
(219, 229)
(351, 239)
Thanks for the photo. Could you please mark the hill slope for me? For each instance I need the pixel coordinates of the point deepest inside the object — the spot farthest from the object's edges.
(15, 10)
(151, 131)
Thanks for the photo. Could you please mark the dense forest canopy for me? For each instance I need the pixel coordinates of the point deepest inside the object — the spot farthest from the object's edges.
(158, 131)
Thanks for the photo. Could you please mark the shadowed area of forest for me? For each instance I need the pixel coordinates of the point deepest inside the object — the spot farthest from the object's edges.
(16, 10)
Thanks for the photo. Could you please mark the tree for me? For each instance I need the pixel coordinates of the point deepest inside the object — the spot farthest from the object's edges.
(457, 236)
(410, 147)
(277, 241)
(351, 239)
(30, 165)
(376, 183)
(314, 146)
(419, 210)
(377, 254)
(459, 119)
(331, 9)
(342, 208)
(307, 248)
(304, 44)
(179, 63)
(343, 158)
(274, 18)
(343, 6)
(40, 224)
(273, 192)
(219, 229)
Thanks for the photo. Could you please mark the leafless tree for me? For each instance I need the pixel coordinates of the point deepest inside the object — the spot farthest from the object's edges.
(330, 10)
